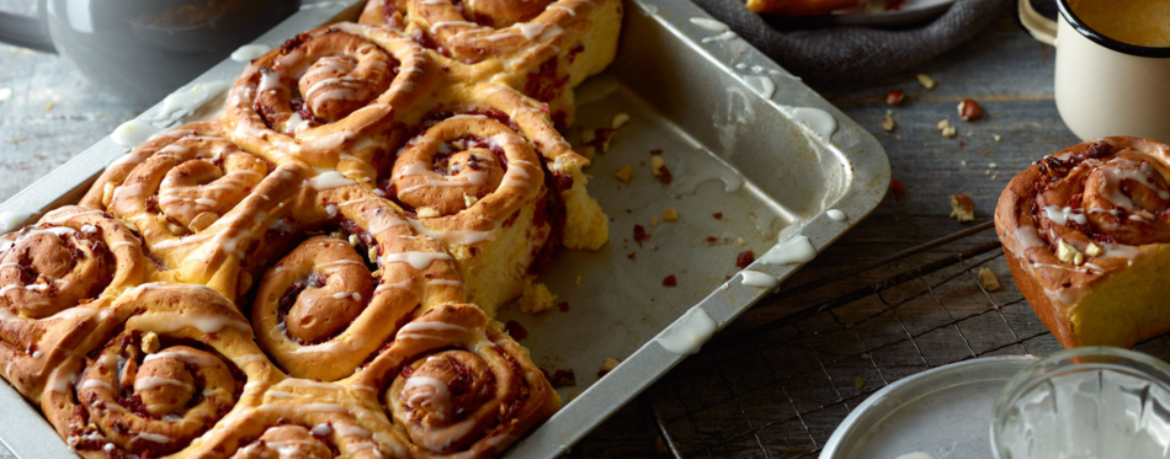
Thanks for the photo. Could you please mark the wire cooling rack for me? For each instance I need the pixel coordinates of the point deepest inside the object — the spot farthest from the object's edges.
(780, 389)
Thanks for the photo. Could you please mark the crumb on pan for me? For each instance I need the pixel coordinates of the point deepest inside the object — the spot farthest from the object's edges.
(962, 208)
(607, 366)
(624, 173)
(670, 281)
(745, 259)
(619, 120)
(517, 331)
(536, 298)
(658, 166)
(640, 234)
(988, 280)
(653, 220)
(670, 215)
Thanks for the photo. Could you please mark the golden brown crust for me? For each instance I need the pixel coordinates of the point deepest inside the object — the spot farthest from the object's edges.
(124, 318)
(57, 279)
(543, 48)
(1077, 218)
(345, 121)
(454, 381)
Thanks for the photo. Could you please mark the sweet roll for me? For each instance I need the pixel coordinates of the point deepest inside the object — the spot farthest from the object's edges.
(1086, 235)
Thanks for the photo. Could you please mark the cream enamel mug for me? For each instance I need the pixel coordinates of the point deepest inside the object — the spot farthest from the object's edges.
(1104, 87)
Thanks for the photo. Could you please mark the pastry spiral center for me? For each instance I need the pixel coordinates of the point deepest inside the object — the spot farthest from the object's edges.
(439, 393)
(197, 192)
(50, 269)
(153, 401)
(331, 288)
(334, 74)
(460, 161)
(286, 442)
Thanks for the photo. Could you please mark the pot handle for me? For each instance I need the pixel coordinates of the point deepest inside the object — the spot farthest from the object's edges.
(1038, 26)
(25, 31)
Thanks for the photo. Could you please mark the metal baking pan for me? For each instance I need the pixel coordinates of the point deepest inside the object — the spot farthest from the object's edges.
(743, 139)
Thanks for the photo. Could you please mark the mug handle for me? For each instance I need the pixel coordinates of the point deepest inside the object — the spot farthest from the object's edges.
(28, 32)
(1038, 26)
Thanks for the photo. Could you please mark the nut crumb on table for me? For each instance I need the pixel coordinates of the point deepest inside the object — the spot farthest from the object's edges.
(988, 280)
(969, 110)
(926, 81)
(962, 208)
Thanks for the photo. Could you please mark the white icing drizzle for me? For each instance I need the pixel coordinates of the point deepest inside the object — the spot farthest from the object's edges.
(328, 180)
(151, 382)
(1061, 215)
(425, 329)
(760, 84)
(438, 398)
(796, 249)
(758, 279)
(725, 36)
(836, 215)
(10, 221)
(417, 260)
(710, 25)
(248, 52)
(818, 121)
(156, 438)
(687, 334)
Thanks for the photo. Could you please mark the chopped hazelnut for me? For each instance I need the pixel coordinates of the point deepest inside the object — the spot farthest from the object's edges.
(619, 120)
(610, 363)
(962, 208)
(372, 254)
(469, 200)
(988, 280)
(996, 137)
(942, 124)
(670, 215)
(949, 131)
(969, 110)
(427, 212)
(1094, 250)
(1066, 253)
(926, 81)
(888, 123)
(624, 173)
(353, 240)
(150, 343)
(536, 298)
(895, 97)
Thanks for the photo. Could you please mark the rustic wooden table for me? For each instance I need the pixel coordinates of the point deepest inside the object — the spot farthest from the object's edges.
(53, 113)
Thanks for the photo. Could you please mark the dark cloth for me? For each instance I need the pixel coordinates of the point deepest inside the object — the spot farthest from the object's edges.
(839, 54)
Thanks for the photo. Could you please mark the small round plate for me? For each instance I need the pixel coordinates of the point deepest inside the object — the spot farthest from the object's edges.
(945, 412)
(910, 12)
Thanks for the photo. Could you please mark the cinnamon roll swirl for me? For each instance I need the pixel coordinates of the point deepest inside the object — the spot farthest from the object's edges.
(543, 47)
(329, 97)
(1082, 230)
(336, 298)
(182, 359)
(57, 280)
(200, 202)
(490, 177)
(453, 382)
